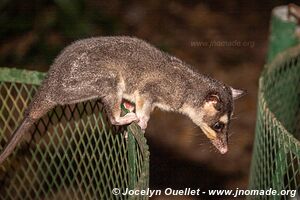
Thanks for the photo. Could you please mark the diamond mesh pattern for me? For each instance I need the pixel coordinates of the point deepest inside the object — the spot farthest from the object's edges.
(276, 157)
(72, 153)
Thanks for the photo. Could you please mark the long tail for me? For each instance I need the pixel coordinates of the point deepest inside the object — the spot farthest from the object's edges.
(16, 137)
(38, 107)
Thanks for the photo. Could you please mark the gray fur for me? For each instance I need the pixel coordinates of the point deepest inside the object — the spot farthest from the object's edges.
(110, 68)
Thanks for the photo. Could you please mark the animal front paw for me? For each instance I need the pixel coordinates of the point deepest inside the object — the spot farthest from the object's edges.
(143, 122)
(126, 119)
(130, 117)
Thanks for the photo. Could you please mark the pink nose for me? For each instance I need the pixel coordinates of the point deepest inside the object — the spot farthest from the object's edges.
(223, 150)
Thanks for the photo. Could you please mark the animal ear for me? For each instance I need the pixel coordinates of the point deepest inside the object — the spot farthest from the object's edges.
(212, 98)
(212, 104)
(237, 93)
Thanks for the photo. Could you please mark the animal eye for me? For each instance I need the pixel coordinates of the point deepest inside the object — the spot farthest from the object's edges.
(218, 126)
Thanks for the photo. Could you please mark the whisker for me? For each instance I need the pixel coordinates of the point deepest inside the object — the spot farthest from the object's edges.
(194, 127)
(195, 134)
(212, 148)
(205, 150)
(231, 134)
(203, 141)
(237, 114)
(230, 142)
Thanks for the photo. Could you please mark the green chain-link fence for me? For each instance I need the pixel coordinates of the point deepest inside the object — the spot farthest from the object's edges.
(72, 153)
(276, 156)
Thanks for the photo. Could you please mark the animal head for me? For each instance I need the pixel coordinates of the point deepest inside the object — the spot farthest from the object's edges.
(214, 113)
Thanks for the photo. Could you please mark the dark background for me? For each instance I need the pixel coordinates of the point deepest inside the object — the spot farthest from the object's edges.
(33, 32)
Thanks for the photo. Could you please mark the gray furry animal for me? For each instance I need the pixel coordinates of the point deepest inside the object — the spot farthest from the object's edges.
(116, 68)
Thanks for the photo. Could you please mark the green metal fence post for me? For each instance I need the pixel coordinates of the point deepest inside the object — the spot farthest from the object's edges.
(282, 32)
(131, 160)
(276, 155)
